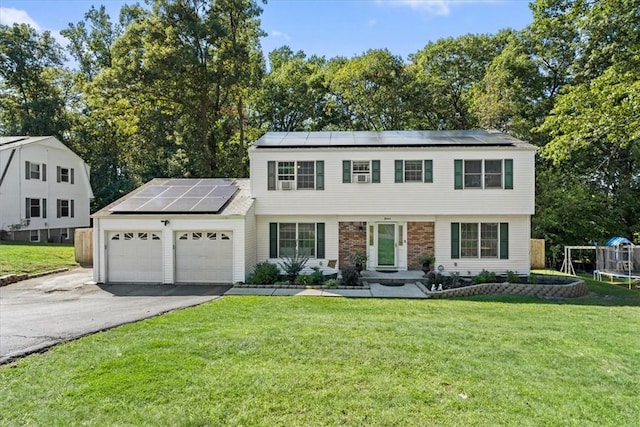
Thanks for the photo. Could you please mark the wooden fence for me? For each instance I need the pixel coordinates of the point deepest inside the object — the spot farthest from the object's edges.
(537, 253)
(83, 238)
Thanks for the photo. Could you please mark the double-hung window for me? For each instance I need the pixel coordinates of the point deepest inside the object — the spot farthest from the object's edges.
(414, 171)
(35, 208)
(480, 240)
(360, 171)
(483, 174)
(35, 171)
(65, 175)
(295, 175)
(288, 239)
(65, 208)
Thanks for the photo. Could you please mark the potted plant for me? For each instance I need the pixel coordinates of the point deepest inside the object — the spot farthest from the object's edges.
(427, 261)
(358, 260)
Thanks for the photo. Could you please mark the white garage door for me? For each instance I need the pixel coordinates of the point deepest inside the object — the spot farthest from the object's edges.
(204, 257)
(134, 257)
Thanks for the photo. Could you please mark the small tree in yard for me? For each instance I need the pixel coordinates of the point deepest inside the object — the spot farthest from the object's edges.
(292, 266)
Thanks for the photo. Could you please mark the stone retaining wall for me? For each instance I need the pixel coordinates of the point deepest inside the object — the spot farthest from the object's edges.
(574, 289)
(14, 278)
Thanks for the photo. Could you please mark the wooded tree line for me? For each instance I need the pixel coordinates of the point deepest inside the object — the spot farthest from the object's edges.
(181, 88)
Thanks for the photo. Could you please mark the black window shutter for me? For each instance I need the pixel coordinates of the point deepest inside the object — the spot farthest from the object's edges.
(44, 172)
(455, 240)
(28, 208)
(504, 240)
(399, 171)
(27, 170)
(375, 171)
(457, 166)
(58, 174)
(508, 174)
(428, 171)
(346, 171)
(320, 240)
(273, 240)
(271, 175)
(320, 175)
(58, 208)
(71, 172)
(72, 209)
(44, 208)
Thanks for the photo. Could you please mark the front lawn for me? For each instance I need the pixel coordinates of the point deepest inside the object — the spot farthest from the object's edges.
(333, 361)
(20, 257)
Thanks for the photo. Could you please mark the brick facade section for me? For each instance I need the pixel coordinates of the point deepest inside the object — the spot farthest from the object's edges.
(352, 238)
(420, 240)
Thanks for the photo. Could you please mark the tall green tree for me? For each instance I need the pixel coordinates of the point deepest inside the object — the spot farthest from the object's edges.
(448, 69)
(33, 84)
(373, 88)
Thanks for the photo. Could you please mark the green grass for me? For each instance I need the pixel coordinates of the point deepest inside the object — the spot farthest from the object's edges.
(294, 361)
(16, 258)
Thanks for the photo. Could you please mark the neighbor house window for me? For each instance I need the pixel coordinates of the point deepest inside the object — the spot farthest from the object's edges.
(300, 175)
(65, 208)
(414, 171)
(35, 171)
(291, 239)
(35, 208)
(483, 174)
(480, 240)
(65, 175)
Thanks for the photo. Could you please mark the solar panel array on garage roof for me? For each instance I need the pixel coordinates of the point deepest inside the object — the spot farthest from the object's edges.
(381, 139)
(180, 196)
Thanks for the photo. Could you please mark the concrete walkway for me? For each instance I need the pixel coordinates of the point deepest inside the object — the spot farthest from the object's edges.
(375, 290)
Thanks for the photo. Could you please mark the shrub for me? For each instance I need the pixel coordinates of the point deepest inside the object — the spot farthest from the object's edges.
(264, 273)
(303, 280)
(316, 277)
(512, 277)
(292, 266)
(331, 283)
(350, 277)
(484, 277)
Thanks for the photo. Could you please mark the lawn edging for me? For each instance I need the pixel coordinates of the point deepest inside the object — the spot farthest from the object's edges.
(14, 278)
(576, 288)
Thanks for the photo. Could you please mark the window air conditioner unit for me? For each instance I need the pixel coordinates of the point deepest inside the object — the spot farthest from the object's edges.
(286, 185)
(361, 177)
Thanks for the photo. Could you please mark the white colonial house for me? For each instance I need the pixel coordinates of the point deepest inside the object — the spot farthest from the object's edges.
(466, 197)
(44, 190)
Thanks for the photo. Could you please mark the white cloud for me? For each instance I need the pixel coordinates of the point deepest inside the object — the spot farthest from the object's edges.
(10, 16)
(279, 34)
(431, 7)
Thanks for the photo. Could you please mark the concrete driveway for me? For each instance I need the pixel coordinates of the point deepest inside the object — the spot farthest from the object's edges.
(38, 313)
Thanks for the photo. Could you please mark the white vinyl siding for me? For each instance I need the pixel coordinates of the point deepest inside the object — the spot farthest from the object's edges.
(387, 197)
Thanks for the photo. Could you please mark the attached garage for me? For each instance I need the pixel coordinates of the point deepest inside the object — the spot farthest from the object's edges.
(204, 256)
(177, 231)
(134, 257)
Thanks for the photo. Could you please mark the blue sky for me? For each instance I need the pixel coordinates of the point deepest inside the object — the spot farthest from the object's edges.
(324, 27)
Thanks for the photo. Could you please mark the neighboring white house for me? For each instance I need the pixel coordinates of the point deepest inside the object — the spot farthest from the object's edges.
(465, 196)
(44, 190)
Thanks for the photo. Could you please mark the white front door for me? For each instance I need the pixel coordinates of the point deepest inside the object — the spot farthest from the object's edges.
(386, 246)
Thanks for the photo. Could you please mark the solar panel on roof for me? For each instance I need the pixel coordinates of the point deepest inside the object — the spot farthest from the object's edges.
(180, 196)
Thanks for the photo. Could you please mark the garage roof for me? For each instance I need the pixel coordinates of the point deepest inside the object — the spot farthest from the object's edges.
(184, 196)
